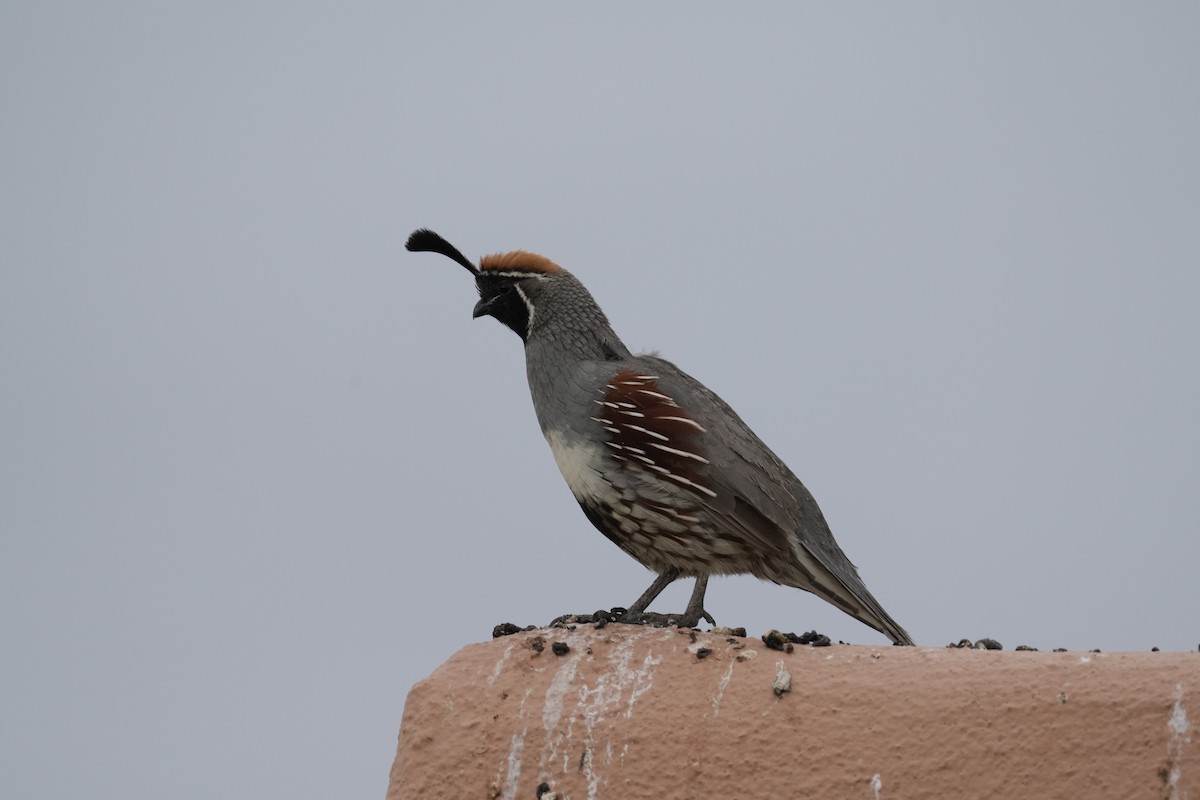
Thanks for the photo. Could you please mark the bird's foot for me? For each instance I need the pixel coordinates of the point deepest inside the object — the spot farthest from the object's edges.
(652, 619)
(599, 618)
(688, 619)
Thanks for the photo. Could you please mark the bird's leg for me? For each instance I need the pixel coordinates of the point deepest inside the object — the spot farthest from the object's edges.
(695, 607)
(690, 618)
(661, 582)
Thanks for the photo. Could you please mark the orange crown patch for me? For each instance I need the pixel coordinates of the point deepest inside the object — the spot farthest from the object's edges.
(518, 261)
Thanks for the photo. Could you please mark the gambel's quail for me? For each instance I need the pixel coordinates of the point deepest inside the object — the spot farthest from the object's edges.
(659, 463)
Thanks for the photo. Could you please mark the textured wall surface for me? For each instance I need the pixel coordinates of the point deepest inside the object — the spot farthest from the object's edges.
(626, 712)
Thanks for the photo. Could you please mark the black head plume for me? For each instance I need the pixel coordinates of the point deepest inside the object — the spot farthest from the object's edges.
(423, 240)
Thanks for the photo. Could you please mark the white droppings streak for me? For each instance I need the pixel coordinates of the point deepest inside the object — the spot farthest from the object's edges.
(1178, 726)
(556, 695)
(722, 684)
(559, 685)
(511, 766)
(515, 750)
(499, 665)
(620, 685)
(641, 687)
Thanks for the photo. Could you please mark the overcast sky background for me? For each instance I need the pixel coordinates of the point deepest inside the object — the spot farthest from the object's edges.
(260, 470)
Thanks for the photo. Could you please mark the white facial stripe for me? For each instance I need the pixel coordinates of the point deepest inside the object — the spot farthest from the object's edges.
(541, 276)
(529, 306)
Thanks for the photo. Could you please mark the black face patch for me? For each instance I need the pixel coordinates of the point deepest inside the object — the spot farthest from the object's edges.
(499, 297)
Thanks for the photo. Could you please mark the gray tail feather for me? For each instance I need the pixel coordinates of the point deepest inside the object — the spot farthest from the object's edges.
(844, 589)
(872, 614)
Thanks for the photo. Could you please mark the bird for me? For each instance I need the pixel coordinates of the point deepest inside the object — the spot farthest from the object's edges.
(658, 463)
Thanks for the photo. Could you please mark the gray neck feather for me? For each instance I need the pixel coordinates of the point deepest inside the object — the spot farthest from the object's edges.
(568, 323)
(571, 345)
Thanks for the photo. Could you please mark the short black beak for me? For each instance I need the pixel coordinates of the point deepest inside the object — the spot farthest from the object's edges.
(483, 307)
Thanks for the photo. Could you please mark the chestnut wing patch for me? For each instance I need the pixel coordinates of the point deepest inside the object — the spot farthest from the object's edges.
(646, 428)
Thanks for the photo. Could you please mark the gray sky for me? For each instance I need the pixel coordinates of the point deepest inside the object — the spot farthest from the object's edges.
(260, 470)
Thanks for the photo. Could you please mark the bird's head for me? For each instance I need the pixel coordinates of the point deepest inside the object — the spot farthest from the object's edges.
(510, 284)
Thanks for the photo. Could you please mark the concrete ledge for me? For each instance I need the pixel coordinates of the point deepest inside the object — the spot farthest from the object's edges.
(628, 712)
